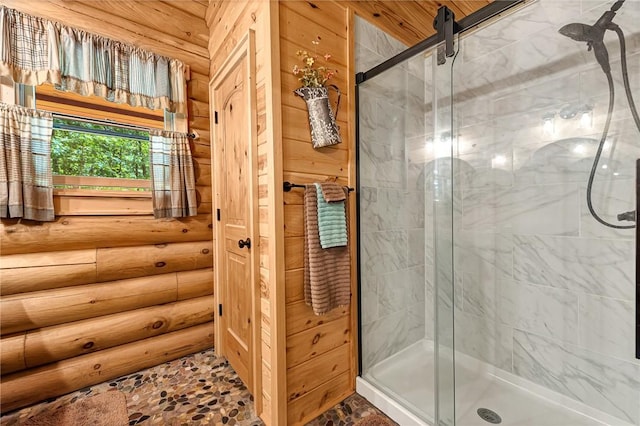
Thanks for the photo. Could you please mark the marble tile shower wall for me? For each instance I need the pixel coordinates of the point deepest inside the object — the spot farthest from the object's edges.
(392, 202)
(542, 290)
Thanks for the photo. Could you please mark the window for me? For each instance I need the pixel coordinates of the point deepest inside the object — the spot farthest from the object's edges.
(88, 148)
(99, 154)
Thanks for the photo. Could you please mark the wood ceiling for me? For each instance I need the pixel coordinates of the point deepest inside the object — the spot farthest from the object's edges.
(411, 21)
(408, 21)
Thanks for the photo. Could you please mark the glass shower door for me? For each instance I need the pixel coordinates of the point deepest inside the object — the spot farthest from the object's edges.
(440, 186)
(544, 291)
(399, 163)
(409, 207)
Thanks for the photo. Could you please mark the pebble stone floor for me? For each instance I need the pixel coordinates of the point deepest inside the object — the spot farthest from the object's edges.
(198, 389)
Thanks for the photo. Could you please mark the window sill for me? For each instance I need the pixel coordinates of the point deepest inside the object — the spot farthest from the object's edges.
(79, 202)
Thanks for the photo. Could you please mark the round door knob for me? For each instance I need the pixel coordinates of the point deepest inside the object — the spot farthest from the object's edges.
(244, 243)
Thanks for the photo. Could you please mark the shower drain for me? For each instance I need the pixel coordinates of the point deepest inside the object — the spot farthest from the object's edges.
(489, 415)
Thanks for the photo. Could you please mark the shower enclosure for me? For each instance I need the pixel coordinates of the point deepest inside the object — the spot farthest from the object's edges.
(493, 287)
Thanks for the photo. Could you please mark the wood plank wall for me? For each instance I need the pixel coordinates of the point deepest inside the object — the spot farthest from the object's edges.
(89, 298)
(321, 350)
(228, 22)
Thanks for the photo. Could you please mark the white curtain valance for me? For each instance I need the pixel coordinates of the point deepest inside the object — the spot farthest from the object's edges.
(35, 51)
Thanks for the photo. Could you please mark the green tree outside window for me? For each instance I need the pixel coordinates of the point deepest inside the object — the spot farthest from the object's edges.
(78, 150)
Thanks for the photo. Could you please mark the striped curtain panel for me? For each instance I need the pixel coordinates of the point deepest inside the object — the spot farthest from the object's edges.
(35, 51)
(173, 182)
(29, 49)
(26, 184)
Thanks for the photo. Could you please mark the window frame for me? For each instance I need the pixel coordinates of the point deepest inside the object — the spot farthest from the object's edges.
(96, 181)
(85, 200)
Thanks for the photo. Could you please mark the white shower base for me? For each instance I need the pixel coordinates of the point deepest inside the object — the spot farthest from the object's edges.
(403, 387)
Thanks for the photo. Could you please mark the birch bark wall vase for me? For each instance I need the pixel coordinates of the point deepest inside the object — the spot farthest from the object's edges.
(322, 119)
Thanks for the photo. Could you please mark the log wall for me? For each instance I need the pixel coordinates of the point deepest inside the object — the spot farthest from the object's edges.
(89, 298)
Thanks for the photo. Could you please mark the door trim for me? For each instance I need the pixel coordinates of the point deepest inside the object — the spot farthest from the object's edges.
(244, 48)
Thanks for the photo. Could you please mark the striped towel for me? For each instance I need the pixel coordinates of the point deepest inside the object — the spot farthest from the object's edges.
(327, 273)
(332, 192)
(332, 221)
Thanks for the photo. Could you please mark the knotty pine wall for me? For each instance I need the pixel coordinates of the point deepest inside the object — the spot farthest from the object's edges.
(229, 22)
(89, 298)
(321, 350)
(308, 361)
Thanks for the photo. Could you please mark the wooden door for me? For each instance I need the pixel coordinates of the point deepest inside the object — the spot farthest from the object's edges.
(233, 97)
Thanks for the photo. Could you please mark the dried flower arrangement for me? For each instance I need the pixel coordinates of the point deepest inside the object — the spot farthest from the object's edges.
(313, 73)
